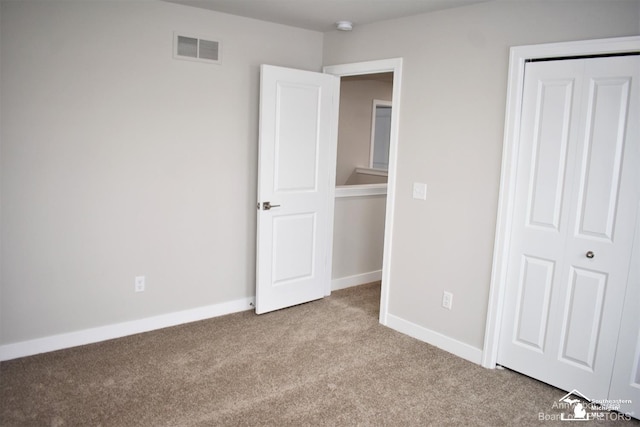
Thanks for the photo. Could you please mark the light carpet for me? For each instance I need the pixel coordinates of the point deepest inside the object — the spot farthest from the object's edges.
(325, 363)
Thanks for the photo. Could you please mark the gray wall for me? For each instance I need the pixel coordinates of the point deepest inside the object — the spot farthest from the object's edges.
(451, 128)
(119, 161)
(358, 235)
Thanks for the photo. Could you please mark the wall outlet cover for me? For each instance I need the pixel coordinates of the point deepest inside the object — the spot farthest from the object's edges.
(447, 300)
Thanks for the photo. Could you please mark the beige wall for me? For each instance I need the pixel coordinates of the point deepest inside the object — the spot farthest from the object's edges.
(358, 235)
(119, 161)
(354, 127)
(451, 127)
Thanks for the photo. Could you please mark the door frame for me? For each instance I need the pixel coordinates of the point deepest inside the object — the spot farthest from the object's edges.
(393, 65)
(518, 56)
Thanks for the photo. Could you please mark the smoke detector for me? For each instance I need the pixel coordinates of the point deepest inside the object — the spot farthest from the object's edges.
(344, 25)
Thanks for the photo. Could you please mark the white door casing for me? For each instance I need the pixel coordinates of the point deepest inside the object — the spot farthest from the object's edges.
(296, 174)
(573, 221)
(393, 65)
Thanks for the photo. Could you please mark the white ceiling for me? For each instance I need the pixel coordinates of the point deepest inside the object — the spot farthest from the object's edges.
(321, 15)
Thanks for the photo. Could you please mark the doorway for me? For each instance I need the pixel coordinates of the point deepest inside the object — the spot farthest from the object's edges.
(364, 129)
(361, 179)
(296, 166)
(393, 66)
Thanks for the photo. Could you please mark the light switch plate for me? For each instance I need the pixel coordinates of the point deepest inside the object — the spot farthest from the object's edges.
(419, 191)
(139, 284)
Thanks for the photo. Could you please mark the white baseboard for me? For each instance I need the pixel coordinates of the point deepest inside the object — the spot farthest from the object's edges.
(118, 330)
(437, 339)
(355, 280)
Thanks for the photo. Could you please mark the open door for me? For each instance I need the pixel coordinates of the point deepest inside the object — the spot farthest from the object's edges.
(296, 173)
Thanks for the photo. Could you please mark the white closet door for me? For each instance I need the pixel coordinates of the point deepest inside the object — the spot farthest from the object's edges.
(574, 217)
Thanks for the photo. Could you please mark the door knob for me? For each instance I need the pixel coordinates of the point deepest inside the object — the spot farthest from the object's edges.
(590, 254)
(267, 205)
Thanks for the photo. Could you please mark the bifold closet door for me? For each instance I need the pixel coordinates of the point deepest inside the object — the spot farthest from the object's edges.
(574, 220)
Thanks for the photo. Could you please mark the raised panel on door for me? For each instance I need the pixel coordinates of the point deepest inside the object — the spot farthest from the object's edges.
(582, 317)
(297, 140)
(533, 302)
(549, 152)
(294, 243)
(604, 140)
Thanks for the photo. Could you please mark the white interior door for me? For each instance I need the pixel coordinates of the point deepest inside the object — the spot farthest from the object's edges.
(296, 174)
(577, 192)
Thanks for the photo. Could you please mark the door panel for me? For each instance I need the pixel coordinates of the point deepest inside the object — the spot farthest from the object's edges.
(606, 122)
(296, 174)
(294, 242)
(583, 315)
(533, 302)
(574, 216)
(551, 130)
(297, 139)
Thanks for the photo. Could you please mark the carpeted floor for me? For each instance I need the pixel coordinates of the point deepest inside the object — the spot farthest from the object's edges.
(327, 363)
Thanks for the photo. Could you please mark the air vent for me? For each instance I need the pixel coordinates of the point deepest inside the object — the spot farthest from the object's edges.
(196, 48)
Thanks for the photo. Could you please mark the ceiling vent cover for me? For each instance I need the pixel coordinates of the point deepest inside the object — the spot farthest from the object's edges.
(196, 48)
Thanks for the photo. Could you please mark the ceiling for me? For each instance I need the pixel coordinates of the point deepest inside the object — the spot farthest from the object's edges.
(321, 15)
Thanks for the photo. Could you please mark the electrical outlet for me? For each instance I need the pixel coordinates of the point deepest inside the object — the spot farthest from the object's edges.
(447, 300)
(139, 284)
